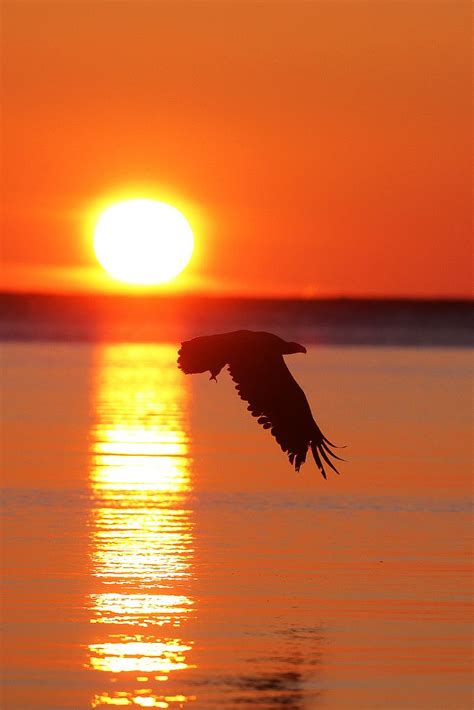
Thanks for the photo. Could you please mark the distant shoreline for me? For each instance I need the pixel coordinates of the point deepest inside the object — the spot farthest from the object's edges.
(171, 318)
(10, 296)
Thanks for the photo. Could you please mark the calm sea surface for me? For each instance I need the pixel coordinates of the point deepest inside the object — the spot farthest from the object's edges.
(159, 551)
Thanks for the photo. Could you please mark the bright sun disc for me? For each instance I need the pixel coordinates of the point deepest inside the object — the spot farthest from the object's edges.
(143, 241)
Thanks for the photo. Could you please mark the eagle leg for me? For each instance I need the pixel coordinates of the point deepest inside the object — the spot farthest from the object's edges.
(214, 372)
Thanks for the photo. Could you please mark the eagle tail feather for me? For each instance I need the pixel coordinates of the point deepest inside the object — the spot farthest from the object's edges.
(198, 355)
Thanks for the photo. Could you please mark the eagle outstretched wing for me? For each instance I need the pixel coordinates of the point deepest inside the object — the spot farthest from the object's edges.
(255, 362)
(279, 404)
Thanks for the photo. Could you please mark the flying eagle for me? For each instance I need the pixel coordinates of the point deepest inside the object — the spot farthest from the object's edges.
(255, 362)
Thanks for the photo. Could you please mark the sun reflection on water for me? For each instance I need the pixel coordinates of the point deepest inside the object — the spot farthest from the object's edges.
(141, 527)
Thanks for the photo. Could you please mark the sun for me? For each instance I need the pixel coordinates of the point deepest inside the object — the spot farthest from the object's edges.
(143, 242)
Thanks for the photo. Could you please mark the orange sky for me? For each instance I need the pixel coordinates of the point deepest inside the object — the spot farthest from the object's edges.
(317, 147)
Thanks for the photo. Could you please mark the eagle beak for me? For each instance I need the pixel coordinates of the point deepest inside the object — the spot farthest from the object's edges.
(296, 348)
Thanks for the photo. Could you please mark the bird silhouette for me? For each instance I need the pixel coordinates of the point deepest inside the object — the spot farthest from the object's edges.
(256, 365)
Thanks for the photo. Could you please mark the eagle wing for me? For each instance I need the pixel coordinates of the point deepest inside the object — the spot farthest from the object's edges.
(279, 404)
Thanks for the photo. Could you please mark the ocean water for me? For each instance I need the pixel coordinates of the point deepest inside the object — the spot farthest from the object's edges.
(159, 551)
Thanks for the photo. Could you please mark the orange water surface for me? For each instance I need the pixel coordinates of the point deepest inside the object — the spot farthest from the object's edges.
(159, 551)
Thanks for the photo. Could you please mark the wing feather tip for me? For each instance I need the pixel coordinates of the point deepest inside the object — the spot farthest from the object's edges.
(326, 448)
(321, 452)
(328, 460)
(335, 446)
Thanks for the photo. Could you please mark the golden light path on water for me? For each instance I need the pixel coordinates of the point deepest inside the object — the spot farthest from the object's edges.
(141, 528)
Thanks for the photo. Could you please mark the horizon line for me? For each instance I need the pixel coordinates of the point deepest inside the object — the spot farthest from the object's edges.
(107, 295)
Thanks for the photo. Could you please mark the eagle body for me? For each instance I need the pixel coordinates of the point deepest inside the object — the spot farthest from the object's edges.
(255, 363)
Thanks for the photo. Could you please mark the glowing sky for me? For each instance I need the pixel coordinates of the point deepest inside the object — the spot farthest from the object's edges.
(316, 147)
